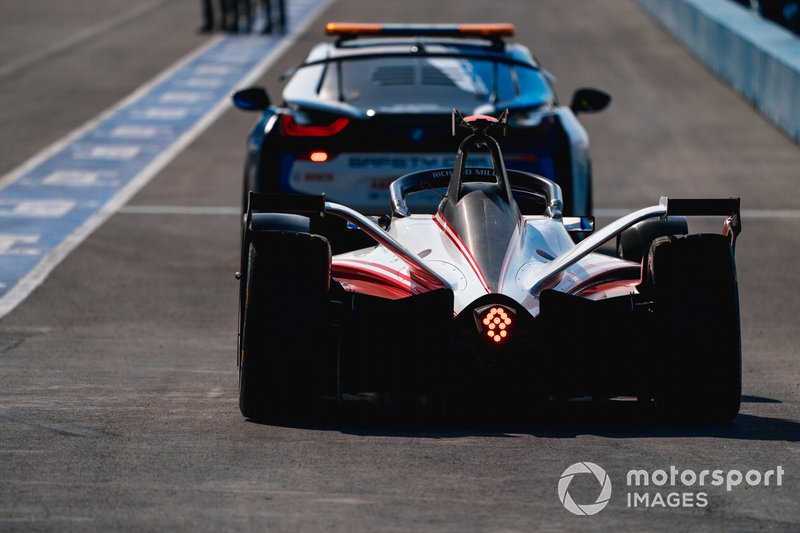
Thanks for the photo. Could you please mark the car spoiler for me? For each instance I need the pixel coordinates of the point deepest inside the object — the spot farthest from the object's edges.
(724, 207)
(360, 55)
(299, 204)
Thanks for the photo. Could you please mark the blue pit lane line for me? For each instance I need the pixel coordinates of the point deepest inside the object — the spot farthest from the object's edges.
(51, 203)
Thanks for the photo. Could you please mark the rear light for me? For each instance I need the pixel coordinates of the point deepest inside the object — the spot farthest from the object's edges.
(473, 118)
(496, 322)
(293, 129)
(318, 156)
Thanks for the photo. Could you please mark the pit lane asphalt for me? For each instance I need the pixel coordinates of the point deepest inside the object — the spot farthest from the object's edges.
(117, 376)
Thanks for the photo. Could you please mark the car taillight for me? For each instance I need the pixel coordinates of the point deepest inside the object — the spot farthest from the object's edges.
(496, 322)
(318, 156)
(293, 129)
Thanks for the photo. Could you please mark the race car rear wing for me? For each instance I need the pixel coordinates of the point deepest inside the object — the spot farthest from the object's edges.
(724, 207)
(300, 204)
(727, 207)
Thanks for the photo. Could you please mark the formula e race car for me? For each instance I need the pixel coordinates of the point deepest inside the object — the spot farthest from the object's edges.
(480, 301)
(368, 108)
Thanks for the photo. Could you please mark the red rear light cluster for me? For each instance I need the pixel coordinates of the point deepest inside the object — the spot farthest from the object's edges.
(293, 129)
(496, 322)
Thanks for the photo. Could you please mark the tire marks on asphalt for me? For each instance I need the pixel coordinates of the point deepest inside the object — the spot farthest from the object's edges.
(21, 416)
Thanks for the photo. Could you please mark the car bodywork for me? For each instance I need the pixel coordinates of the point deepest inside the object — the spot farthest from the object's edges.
(364, 110)
(481, 297)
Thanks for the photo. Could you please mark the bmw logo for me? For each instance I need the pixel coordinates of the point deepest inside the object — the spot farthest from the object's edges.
(416, 135)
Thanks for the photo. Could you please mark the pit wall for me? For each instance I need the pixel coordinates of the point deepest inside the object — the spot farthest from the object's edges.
(758, 58)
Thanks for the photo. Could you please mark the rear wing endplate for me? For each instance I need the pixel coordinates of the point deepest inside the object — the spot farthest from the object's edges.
(724, 207)
(299, 204)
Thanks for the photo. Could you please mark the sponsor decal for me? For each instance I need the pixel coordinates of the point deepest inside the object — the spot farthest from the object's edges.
(409, 162)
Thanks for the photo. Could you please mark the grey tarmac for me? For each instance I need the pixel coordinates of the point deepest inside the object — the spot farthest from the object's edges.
(118, 386)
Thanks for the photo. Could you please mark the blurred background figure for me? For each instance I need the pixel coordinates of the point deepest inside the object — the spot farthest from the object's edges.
(208, 17)
(784, 12)
(271, 23)
(225, 14)
(235, 8)
(235, 12)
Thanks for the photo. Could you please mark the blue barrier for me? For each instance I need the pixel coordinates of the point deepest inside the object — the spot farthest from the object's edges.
(758, 58)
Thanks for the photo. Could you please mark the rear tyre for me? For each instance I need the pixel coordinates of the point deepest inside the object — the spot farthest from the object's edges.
(699, 365)
(286, 294)
(634, 242)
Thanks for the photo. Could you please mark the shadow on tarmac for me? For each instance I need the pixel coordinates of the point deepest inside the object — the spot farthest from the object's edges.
(566, 420)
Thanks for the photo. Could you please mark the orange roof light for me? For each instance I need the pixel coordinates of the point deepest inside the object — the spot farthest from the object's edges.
(354, 29)
(350, 28)
(487, 30)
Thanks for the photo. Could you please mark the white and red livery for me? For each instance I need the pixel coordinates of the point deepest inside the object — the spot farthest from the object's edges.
(496, 294)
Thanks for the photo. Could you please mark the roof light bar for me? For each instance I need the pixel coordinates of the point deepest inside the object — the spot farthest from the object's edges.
(352, 30)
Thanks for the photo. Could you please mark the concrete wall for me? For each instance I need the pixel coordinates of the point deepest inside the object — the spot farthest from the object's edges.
(760, 59)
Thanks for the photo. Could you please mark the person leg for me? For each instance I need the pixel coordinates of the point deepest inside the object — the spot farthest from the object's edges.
(282, 14)
(208, 16)
(248, 15)
(224, 18)
(267, 15)
(234, 6)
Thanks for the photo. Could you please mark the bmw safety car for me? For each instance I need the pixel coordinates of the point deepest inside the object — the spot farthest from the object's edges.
(479, 300)
(372, 106)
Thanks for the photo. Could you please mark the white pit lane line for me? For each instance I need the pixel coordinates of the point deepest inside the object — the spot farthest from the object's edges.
(99, 166)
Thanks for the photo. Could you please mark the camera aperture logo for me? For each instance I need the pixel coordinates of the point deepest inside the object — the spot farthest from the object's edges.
(686, 487)
(590, 508)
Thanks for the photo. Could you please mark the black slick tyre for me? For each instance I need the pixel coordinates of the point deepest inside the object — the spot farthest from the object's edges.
(698, 371)
(284, 305)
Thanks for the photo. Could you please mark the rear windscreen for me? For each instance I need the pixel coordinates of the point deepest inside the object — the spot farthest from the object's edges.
(431, 82)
